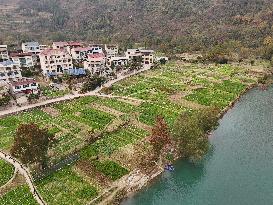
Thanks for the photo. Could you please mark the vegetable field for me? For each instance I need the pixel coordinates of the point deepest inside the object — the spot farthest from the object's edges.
(97, 127)
(6, 172)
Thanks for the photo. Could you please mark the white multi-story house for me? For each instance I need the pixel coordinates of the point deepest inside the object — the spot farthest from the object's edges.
(24, 85)
(147, 57)
(23, 60)
(111, 50)
(55, 62)
(96, 64)
(4, 55)
(118, 61)
(9, 71)
(31, 47)
(133, 54)
(97, 48)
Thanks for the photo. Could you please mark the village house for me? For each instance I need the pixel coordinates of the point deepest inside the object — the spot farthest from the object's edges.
(55, 62)
(80, 53)
(117, 61)
(4, 55)
(96, 64)
(147, 57)
(66, 45)
(24, 85)
(9, 71)
(97, 48)
(111, 50)
(31, 47)
(23, 60)
(133, 54)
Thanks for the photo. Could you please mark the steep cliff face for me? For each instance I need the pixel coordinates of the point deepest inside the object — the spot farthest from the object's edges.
(187, 24)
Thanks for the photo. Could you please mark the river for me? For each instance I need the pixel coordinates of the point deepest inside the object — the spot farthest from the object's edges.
(237, 171)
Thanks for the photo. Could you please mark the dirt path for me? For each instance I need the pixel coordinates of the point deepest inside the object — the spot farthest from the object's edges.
(24, 171)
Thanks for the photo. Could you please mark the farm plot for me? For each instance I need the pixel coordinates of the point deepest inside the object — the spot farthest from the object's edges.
(219, 95)
(21, 195)
(6, 172)
(113, 141)
(66, 187)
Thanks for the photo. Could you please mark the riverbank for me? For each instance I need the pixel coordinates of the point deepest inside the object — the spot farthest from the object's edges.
(231, 172)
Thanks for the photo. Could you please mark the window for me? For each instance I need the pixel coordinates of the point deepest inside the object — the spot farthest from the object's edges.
(26, 86)
(33, 84)
(17, 87)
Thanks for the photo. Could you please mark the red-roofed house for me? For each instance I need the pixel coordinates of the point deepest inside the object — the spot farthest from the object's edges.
(95, 63)
(66, 45)
(54, 62)
(24, 85)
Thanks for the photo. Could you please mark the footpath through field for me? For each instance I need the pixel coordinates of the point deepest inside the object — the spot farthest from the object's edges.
(72, 96)
(24, 171)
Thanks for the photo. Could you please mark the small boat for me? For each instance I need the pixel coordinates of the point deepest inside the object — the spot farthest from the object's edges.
(169, 167)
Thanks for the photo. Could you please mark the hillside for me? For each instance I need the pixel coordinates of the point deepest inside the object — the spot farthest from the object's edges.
(184, 24)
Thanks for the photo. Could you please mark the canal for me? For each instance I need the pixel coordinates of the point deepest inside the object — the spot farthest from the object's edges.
(237, 171)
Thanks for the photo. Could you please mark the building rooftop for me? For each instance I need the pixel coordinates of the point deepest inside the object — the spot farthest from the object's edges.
(49, 52)
(31, 44)
(23, 81)
(97, 55)
(82, 49)
(119, 58)
(146, 51)
(20, 54)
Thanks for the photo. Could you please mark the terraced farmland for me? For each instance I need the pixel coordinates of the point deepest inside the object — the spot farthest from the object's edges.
(119, 121)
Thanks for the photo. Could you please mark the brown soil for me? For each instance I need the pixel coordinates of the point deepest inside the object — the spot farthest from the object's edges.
(51, 111)
(114, 125)
(87, 170)
(134, 102)
(17, 181)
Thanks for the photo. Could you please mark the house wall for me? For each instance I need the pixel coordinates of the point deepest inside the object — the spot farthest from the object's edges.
(56, 63)
(9, 72)
(34, 87)
(25, 61)
(4, 52)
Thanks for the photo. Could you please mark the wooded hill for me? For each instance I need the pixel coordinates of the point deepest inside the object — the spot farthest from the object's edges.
(177, 25)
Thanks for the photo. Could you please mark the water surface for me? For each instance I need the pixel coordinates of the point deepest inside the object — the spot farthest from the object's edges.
(237, 171)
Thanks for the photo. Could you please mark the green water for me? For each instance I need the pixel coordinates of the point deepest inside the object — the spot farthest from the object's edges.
(237, 171)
